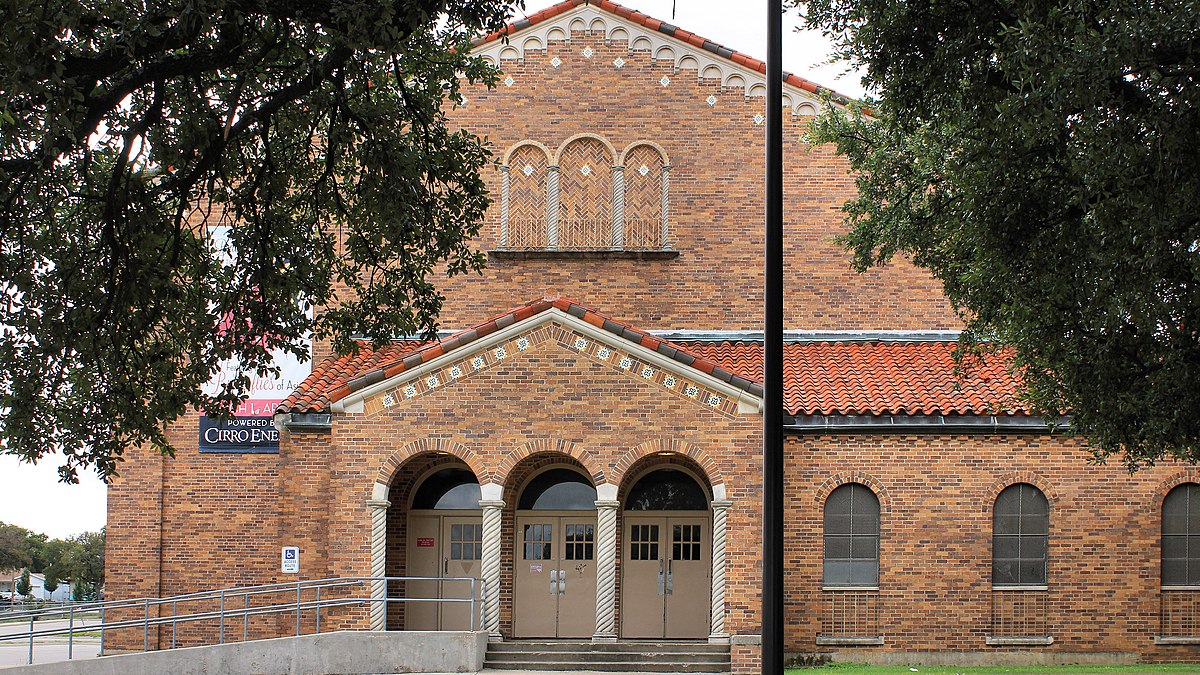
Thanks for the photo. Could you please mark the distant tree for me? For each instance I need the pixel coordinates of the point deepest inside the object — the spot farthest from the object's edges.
(86, 564)
(14, 549)
(49, 585)
(24, 586)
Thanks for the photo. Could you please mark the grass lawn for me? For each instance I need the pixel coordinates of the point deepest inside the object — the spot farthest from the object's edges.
(858, 669)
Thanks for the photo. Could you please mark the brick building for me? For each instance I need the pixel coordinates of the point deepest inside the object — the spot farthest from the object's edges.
(594, 454)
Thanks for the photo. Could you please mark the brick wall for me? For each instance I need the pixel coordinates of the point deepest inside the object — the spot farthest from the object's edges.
(936, 495)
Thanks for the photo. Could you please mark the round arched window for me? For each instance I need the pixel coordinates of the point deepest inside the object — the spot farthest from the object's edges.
(558, 490)
(666, 490)
(454, 488)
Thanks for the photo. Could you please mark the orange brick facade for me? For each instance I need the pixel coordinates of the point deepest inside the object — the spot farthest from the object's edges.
(195, 522)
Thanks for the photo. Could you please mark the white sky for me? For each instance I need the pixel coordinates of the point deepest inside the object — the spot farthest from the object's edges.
(32, 497)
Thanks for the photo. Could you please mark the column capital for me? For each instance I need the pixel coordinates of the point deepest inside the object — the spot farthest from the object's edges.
(378, 503)
(722, 504)
(491, 503)
(608, 504)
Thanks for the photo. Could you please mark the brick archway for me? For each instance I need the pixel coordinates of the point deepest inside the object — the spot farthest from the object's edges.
(389, 468)
(860, 477)
(708, 467)
(1009, 479)
(546, 446)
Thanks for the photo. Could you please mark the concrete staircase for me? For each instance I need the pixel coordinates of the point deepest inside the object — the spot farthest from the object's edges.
(627, 656)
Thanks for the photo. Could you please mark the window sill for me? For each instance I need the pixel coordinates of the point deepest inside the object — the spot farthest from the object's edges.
(851, 588)
(849, 641)
(582, 254)
(1022, 641)
(1176, 640)
(1032, 587)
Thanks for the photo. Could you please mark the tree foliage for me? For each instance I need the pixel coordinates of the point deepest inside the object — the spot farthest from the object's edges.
(24, 587)
(313, 130)
(1040, 159)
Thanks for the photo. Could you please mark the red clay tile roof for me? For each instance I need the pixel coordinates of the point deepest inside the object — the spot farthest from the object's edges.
(876, 378)
(335, 379)
(820, 378)
(664, 28)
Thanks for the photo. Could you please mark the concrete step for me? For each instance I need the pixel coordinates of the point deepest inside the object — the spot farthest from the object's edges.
(663, 666)
(640, 656)
(622, 646)
(649, 655)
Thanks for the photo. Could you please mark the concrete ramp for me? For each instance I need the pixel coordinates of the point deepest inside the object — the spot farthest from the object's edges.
(339, 653)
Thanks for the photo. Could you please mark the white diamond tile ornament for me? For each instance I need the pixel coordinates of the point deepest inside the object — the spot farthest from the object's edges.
(665, 81)
(556, 62)
(603, 353)
(711, 100)
(619, 63)
(432, 381)
(581, 343)
(500, 353)
(587, 52)
(714, 400)
(647, 372)
(478, 363)
(759, 119)
(528, 170)
(625, 364)
(523, 344)
(389, 401)
(691, 391)
(670, 381)
(643, 169)
(586, 170)
(410, 391)
(509, 81)
(456, 372)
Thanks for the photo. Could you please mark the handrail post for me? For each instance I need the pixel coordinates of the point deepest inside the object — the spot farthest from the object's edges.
(222, 618)
(146, 629)
(297, 608)
(102, 629)
(246, 616)
(472, 604)
(318, 610)
(174, 622)
(70, 632)
(31, 618)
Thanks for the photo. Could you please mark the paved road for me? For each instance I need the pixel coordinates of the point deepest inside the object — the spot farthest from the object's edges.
(46, 649)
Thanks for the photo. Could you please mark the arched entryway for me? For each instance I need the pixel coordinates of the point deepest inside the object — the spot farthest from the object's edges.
(666, 559)
(435, 531)
(554, 561)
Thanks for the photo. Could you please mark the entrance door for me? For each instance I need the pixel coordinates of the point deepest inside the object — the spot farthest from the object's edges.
(666, 566)
(443, 547)
(554, 575)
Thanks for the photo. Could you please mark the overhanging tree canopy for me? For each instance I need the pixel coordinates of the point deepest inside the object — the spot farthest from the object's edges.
(314, 130)
(1042, 159)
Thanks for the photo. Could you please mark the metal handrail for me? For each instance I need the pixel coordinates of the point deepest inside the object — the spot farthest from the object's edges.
(477, 593)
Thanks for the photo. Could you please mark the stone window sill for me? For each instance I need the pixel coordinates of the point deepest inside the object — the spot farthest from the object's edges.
(582, 254)
(1176, 640)
(849, 641)
(1019, 641)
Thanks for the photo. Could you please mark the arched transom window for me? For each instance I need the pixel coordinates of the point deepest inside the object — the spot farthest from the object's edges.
(1020, 534)
(852, 537)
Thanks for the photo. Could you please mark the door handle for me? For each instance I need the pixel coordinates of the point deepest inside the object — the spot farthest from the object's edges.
(661, 579)
(670, 585)
(445, 566)
(553, 582)
(562, 582)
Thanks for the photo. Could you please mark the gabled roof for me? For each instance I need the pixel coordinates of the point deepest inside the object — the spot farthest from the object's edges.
(661, 28)
(335, 379)
(820, 378)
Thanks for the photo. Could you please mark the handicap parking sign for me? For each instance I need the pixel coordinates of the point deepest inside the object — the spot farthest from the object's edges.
(291, 560)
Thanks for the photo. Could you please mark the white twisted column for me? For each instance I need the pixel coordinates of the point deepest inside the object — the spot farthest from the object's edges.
(720, 510)
(552, 179)
(492, 519)
(379, 512)
(618, 209)
(606, 570)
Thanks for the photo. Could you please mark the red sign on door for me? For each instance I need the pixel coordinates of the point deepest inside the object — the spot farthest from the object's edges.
(425, 542)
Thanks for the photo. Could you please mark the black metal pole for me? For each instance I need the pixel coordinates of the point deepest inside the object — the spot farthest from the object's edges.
(772, 598)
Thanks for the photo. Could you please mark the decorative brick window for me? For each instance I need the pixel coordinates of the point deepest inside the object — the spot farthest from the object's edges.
(584, 201)
(1020, 544)
(1179, 597)
(850, 612)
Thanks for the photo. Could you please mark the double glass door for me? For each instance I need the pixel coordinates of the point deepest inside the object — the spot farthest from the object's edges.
(666, 566)
(448, 550)
(554, 575)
